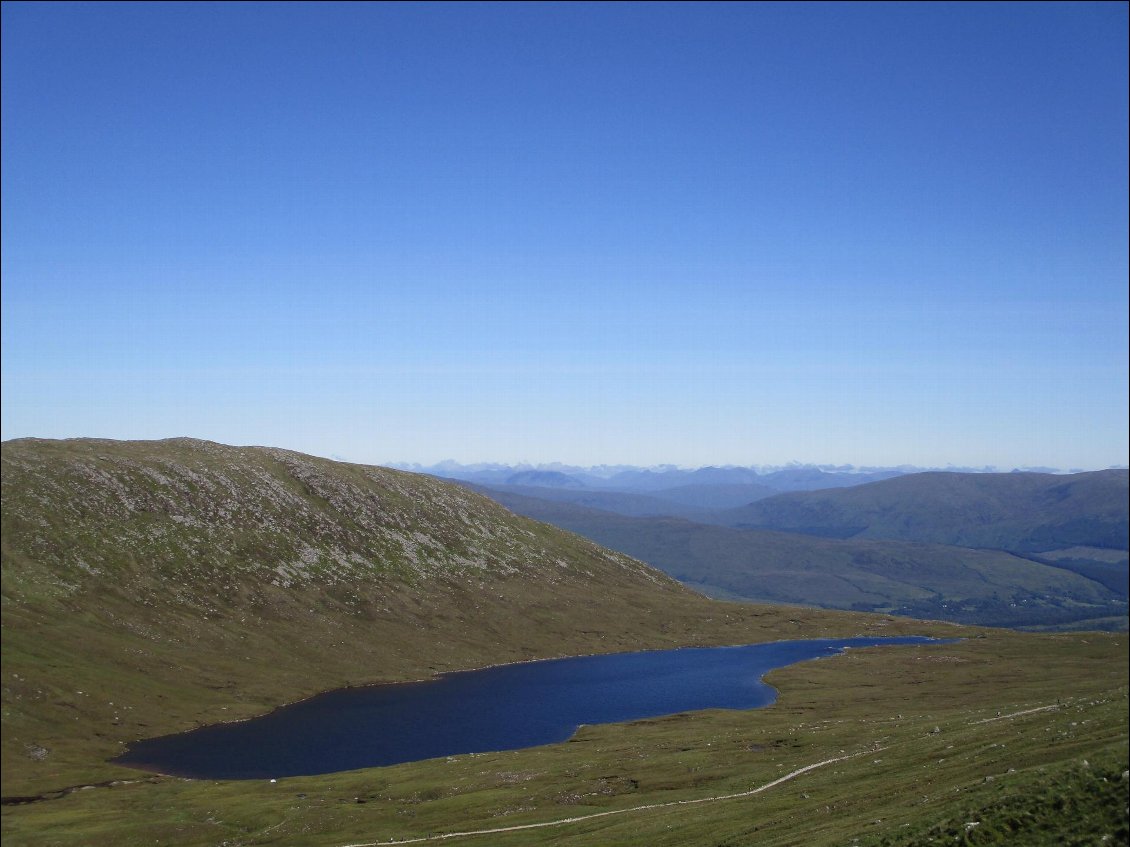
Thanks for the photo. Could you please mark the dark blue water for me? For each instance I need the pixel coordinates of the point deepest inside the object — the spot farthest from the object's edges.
(502, 708)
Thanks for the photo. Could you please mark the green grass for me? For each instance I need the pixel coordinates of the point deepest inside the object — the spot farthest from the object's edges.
(933, 733)
(1030, 808)
(135, 607)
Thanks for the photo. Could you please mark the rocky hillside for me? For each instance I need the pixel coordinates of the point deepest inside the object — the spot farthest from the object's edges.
(184, 523)
(150, 586)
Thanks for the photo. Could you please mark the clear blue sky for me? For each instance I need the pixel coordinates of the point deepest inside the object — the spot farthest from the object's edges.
(700, 234)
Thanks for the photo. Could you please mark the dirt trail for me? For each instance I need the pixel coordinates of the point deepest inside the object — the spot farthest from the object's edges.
(672, 804)
(595, 815)
(1015, 714)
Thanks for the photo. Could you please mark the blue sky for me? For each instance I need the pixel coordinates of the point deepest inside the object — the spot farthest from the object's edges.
(877, 234)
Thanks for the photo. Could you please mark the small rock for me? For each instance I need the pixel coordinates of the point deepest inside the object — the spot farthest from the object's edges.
(36, 753)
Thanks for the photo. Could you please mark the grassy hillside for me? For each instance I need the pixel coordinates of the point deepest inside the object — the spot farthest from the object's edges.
(1025, 512)
(921, 580)
(149, 587)
(152, 586)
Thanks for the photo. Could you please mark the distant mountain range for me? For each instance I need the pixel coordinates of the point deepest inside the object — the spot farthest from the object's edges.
(631, 478)
(1015, 549)
(710, 488)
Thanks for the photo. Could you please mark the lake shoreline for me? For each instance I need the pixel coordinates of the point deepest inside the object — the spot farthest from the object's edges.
(622, 694)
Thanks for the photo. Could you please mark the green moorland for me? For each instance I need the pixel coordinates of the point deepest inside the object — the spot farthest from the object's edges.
(151, 587)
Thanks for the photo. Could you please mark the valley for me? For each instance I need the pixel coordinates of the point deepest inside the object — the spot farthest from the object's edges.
(150, 587)
(1020, 550)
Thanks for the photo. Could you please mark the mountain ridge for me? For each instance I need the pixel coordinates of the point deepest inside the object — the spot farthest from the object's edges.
(789, 477)
(1029, 513)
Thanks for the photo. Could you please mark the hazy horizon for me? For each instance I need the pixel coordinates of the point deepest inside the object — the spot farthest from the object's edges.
(588, 233)
(614, 466)
(759, 467)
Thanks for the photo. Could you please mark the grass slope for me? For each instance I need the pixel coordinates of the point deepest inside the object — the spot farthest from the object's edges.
(922, 580)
